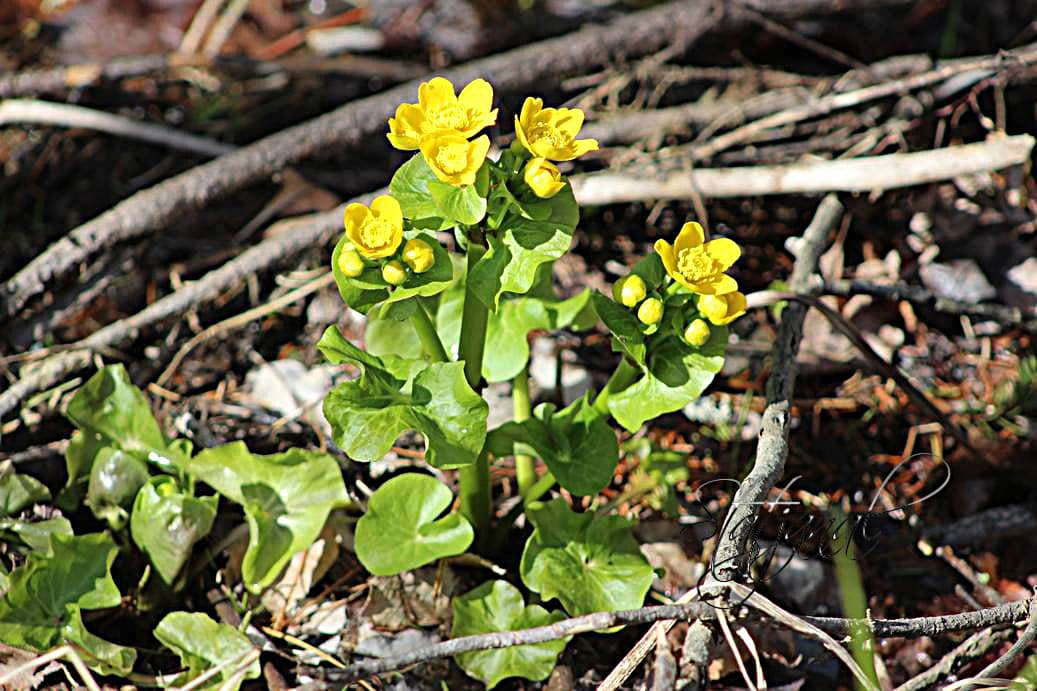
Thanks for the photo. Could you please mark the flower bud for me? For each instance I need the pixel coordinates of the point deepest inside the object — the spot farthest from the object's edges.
(418, 255)
(394, 273)
(630, 290)
(722, 309)
(650, 311)
(350, 263)
(543, 178)
(697, 333)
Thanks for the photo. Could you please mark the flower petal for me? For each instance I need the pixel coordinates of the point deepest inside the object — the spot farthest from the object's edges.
(724, 250)
(386, 207)
(582, 146)
(665, 252)
(531, 107)
(691, 235)
(477, 96)
(435, 92)
(721, 286)
(353, 219)
(569, 120)
(736, 305)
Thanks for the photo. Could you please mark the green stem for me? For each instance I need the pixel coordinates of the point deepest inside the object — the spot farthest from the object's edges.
(426, 329)
(474, 480)
(623, 377)
(525, 466)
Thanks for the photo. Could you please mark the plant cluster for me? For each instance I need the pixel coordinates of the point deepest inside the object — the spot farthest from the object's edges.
(453, 269)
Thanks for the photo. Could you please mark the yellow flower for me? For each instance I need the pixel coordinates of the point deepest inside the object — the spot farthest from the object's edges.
(698, 265)
(543, 178)
(350, 263)
(453, 158)
(697, 333)
(551, 132)
(393, 273)
(650, 311)
(375, 232)
(418, 255)
(629, 290)
(439, 109)
(722, 309)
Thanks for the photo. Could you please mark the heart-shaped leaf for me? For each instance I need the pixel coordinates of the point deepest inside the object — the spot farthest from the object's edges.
(286, 497)
(675, 374)
(35, 535)
(41, 607)
(627, 332)
(369, 289)
(203, 644)
(458, 204)
(577, 444)
(507, 329)
(589, 563)
(115, 478)
(498, 606)
(368, 414)
(521, 245)
(410, 187)
(166, 523)
(400, 530)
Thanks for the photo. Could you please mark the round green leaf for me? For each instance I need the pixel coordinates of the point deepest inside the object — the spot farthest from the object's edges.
(202, 644)
(410, 187)
(166, 523)
(458, 204)
(287, 498)
(676, 374)
(400, 530)
(590, 563)
(115, 479)
(498, 606)
(369, 413)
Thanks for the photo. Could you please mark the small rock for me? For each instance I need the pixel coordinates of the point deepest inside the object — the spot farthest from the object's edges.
(1021, 289)
(388, 645)
(287, 387)
(961, 279)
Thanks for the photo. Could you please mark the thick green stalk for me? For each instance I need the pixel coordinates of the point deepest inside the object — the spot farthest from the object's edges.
(525, 466)
(474, 480)
(426, 329)
(623, 377)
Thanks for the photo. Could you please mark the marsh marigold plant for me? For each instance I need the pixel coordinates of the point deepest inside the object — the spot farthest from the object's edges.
(453, 269)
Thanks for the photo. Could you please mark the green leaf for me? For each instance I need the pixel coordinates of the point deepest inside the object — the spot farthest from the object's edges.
(400, 530)
(19, 491)
(286, 497)
(368, 414)
(110, 405)
(36, 535)
(104, 656)
(45, 595)
(521, 245)
(676, 374)
(115, 479)
(458, 204)
(83, 447)
(589, 563)
(369, 289)
(498, 606)
(166, 523)
(507, 330)
(203, 644)
(410, 187)
(627, 332)
(577, 444)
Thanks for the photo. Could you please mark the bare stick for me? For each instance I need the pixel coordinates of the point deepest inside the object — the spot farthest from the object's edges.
(200, 23)
(295, 236)
(1026, 639)
(223, 27)
(975, 646)
(772, 449)
(828, 104)
(19, 111)
(57, 79)
(1001, 615)
(849, 175)
(352, 124)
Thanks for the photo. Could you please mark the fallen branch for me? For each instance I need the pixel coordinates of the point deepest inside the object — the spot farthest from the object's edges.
(1025, 640)
(917, 627)
(57, 79)
(975, 646)
(293, 237)
(358, 121)
(26, 111)
(849, 175)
